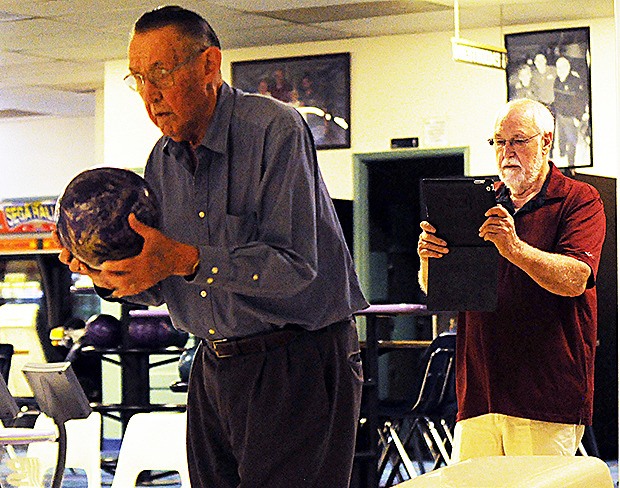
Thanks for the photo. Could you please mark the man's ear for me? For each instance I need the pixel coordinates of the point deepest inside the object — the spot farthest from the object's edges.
(547, 140)
(213, 59)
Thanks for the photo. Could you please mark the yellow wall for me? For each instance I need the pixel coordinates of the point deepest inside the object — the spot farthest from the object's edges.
(398, 84)
(39, 155)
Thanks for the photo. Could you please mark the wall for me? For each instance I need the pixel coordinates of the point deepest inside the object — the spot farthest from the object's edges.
(40, 154)
(398, 84)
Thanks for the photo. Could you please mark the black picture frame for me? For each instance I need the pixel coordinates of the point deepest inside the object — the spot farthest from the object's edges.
(553, 67)
(318, 86)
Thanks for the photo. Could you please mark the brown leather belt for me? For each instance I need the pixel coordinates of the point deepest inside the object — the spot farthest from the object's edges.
(226, 348)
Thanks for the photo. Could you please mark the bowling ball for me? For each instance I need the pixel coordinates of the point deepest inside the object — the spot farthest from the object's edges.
(153, 329)
(102, 330)
(185, 363)
(91, 214)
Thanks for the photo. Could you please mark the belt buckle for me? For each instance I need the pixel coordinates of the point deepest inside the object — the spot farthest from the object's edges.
(214, 346)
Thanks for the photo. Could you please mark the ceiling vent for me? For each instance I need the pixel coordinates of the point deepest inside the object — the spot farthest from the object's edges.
(11, 113)
(333, 13)
(9, 17)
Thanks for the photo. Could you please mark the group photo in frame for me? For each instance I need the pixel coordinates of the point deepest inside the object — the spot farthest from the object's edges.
(317, 86)
(553, 67)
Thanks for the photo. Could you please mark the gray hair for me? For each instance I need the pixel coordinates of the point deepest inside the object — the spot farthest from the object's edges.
(189, 24)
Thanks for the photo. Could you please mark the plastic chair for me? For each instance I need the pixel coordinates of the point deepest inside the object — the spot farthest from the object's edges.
(21, 470)
(152, 441)
(60, 396)
(426, 421)
(83, 447)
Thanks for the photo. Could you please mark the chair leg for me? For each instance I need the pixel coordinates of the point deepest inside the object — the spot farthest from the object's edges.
(386, 450)
(447, 431)
(403, 454)
(402, 447)
(438, 440)
(582, 450)
(390, 462)
(412, 438)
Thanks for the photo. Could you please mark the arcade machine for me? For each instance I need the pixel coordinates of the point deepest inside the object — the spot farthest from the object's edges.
(38, 294)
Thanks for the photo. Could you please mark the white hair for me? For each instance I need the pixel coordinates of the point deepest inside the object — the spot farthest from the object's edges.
(537, 112)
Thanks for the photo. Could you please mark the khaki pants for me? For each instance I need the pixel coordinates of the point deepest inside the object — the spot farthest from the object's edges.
(501, 435)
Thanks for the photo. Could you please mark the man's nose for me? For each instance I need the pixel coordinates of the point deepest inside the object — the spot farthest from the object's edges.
(150, 92)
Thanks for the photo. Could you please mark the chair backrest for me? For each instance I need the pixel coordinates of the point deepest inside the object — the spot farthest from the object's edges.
(6, 355)
(437, 389)
(8, 406)
(57, 391)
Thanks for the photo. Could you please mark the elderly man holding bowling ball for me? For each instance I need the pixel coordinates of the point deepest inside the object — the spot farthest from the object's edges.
(251, 259)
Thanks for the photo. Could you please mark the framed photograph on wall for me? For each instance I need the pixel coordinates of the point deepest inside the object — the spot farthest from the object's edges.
(553, 67)
(318, 86)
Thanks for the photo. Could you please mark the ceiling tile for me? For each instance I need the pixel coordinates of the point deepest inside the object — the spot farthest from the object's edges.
(66, 45)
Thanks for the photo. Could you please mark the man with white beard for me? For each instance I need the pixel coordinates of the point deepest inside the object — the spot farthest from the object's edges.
(525, 372)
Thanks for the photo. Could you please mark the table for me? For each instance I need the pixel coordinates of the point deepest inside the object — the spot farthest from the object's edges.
(367, 454)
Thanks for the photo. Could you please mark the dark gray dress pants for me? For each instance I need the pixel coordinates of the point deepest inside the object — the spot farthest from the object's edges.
(285, 418)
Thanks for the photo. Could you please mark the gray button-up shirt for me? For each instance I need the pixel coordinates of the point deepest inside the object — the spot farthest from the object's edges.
(271, 248)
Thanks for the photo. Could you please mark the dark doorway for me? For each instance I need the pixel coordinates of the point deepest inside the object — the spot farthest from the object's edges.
(386, 215)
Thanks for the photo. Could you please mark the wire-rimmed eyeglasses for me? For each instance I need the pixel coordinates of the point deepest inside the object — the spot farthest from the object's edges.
(514, 142)
(161, 78)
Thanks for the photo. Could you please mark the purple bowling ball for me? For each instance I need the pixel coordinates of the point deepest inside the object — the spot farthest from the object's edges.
(153, 329)
(102, 330)
(92, 214)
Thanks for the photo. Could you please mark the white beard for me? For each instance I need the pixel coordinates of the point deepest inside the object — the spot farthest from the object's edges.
(518, 180)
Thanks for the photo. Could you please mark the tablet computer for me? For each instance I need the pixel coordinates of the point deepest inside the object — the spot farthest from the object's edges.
(465, 279)
(456, 208)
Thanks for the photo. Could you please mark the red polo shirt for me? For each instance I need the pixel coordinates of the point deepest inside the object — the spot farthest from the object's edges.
(534, 356)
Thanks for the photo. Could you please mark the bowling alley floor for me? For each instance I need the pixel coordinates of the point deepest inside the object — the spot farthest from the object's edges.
(77, 478)
(613, 468)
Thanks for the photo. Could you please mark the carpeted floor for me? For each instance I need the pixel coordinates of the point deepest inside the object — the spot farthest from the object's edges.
(78, 478)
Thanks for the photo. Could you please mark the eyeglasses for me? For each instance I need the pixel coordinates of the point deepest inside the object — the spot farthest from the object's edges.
(161, 78)
(516, 142)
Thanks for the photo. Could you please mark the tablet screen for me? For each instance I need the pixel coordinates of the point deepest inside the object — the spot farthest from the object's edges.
(456, 208)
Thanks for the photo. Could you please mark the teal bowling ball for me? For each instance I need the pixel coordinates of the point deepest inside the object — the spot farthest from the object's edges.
(92, 212)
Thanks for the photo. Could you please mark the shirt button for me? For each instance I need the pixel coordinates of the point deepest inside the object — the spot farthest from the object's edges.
(201, 214)
(214, 270)
(212, 331)
(203, 293)
(210, 280)
(255, 277)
